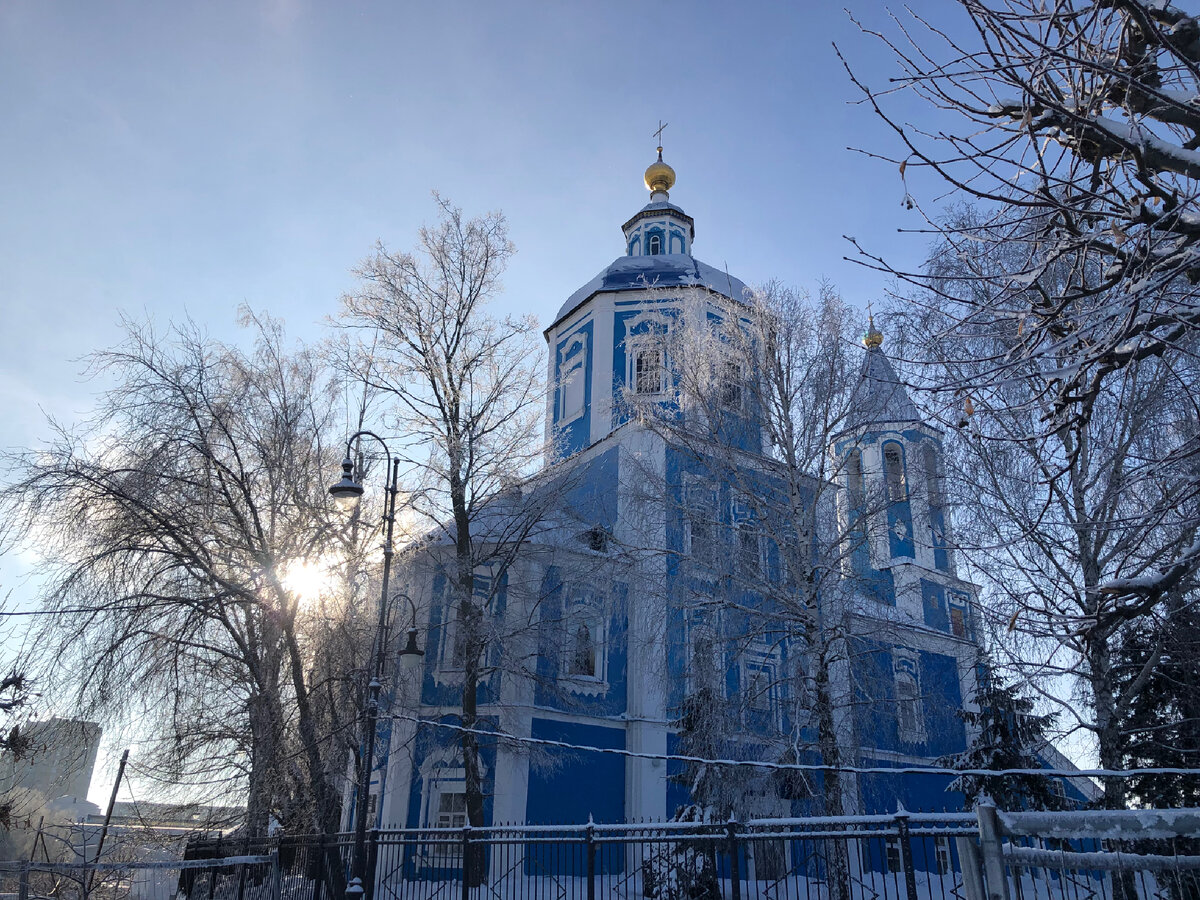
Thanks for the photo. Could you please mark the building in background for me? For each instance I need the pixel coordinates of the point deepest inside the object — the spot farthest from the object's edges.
(58, 759)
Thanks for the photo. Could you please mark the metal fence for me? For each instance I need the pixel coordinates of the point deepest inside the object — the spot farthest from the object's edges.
(992, 855)
(1091, 855)
(256, 877)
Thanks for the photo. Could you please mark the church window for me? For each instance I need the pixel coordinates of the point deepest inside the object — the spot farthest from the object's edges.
(758, 691)
(700, 522)
(654, 244)
(933, 480)
(572, 377)
(581, 639)
(572, 392)
(893, 470)
(729, 390)
(648, 370)
(445, 807)
(452, 809)
(910, 713)
(583, 657)
(892, 847)
(945, 863)
(749, 559)
(854, 479)
(958, 621)
(759, 698)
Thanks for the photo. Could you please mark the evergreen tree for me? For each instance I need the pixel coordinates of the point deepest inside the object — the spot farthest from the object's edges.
(1007, 735)
(1162, 726)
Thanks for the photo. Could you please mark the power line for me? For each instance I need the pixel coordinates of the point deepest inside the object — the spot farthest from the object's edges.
(802, 767)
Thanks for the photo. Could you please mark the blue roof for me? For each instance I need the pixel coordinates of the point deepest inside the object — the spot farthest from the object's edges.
(880, 395)
(635, 273)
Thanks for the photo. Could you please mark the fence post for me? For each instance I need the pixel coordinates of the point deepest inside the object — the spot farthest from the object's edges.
(735, 869)
(992, 848)
(372, 862)
(906, 857)
(23, 881)
(591, 858)
(276, 875)
(466, 862)
(968, 858)
(212, 872)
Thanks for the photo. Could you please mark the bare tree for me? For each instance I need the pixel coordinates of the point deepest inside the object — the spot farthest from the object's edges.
(1075, 125)
(169, 527)
(463, 389)
(1066, 527)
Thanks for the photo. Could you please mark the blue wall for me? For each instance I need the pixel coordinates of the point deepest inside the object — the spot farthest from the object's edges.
(585, 784)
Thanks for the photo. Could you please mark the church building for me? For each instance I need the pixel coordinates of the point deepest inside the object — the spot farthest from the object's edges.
(637, 583)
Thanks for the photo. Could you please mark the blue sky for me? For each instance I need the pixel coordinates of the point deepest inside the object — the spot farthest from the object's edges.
(182, 158)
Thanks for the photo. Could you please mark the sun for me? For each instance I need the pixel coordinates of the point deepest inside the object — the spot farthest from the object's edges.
(310, 580)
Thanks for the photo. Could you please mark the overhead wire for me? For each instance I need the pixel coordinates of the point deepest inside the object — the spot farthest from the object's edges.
(797, 767)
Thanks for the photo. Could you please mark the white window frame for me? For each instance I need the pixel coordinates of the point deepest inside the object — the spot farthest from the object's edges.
(891, 850)
(701, 503)
(941, 855)
(443, 780)
(585, 608)
(743, 525)
(636, 349)
(906, 671)
(731, 374)
(761, 662)
(446, 664)
(897, 487)
(572, 369)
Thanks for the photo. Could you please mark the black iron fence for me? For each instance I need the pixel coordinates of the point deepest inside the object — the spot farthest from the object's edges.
(992, 855)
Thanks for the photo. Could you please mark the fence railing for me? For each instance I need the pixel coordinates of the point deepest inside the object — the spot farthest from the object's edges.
(253, 877)
(988, 855)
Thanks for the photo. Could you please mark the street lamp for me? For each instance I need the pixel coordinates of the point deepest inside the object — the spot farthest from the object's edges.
(346, 493)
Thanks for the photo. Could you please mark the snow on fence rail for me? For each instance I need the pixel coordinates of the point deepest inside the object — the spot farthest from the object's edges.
(987, 855)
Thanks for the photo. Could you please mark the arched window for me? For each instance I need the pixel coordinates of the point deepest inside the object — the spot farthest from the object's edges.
(933, 481)
(906, 701)
(854, 478)
(893, 470)
(910, 712)
(654, 245)
(583, 659)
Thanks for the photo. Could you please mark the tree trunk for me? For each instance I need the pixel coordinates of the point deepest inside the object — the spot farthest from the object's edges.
(325, 808)
(264, 751)
(837, 861)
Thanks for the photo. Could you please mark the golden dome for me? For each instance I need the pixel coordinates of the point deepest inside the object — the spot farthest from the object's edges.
(874, 337)
(660, 176)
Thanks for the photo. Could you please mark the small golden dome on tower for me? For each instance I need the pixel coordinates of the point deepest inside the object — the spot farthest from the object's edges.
(874, 337)
(660, 176)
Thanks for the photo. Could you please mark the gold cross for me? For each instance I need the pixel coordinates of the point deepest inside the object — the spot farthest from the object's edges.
(871, 308)
(661, 126)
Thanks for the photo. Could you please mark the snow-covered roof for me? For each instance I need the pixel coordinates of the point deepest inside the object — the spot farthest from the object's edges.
(632, 273)
(655, 207)
(879, 395)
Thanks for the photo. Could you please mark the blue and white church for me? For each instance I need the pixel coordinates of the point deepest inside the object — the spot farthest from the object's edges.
(602, 659)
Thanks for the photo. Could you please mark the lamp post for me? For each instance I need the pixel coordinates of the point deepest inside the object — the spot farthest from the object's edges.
(346, 493)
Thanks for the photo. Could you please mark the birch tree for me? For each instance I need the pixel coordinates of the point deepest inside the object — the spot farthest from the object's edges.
(758, 394)
(1080, 533)
(462, 389)
(1075, 128)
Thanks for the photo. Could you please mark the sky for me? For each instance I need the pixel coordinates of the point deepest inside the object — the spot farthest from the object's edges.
(166, 160)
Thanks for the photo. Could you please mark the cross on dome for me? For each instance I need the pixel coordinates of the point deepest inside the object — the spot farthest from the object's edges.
(659, 176)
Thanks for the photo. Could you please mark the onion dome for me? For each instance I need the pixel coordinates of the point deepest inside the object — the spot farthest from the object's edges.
(873, 339)
(659, 176)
